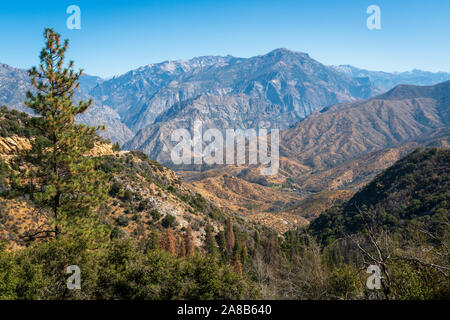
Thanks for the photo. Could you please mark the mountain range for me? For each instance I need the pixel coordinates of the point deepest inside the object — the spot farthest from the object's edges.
(278, 89)
(14, 83)
(290, 82)
(332, 152)
(345, 131)
(385, 81)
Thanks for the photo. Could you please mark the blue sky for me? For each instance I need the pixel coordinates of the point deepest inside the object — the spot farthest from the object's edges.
(117, 36)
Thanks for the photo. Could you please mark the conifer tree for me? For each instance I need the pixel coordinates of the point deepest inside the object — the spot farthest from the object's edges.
(244, 254)
(61, 179)
(153, 240)
(182, 247)
(257, 238)
(221, 242)
(168, 241)
(237, 250)
(189, 242)
(237, 264)
(210, 242)
(230, 236)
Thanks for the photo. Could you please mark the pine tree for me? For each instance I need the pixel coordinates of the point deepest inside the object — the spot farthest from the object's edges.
(237, 264)
(168, 241)
(61, 179)
(210, 242)
(244, 254)
(153, 240)
(181, 247)
(230, 236)
(237, 252)
(222, 243)
(257, 238)
(189, 242)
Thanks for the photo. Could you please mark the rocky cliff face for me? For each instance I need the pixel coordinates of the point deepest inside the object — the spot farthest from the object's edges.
(273, 90)
(280, 88)
(12, 145)
(14, 83)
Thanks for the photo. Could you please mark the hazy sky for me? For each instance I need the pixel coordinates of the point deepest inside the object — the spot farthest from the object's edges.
(117, 36)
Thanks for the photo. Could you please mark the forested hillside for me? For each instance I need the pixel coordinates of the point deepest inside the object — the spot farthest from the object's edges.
(414, 190)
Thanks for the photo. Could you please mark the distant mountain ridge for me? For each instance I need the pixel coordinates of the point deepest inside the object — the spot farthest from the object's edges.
(14, 83)
(288, 81)
(385, 81)
(277, 89)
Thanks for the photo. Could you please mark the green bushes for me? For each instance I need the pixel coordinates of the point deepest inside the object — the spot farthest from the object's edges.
(117, 270)
(155, 214)
(4, 171)
(115, 188)
(169, 221)
(127, 195)
(344, 283)
(142, 205)
(17, 123)
(116, 147)
(123, 221)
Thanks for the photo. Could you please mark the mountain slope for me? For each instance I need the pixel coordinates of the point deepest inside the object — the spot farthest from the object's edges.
(289, 81)
(338, 131)
(414, 188)
(341, 148)
(346, 131)
(14, 83)
(143, 195)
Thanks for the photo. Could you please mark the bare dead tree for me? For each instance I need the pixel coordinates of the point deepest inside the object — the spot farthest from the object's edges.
(375, 247)
(427, 256)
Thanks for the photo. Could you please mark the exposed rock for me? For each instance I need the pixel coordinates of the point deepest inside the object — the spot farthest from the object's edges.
(14, 144)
